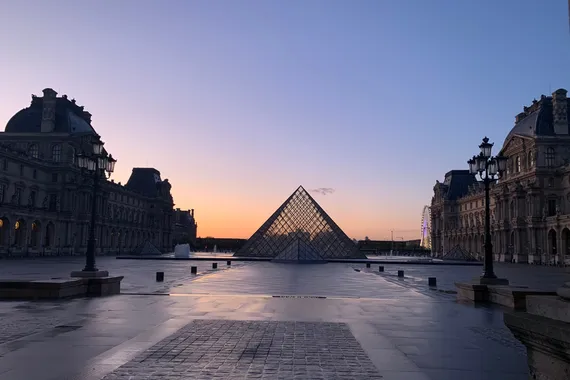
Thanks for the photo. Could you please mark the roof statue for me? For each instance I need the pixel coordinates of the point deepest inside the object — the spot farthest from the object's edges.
(300, 231)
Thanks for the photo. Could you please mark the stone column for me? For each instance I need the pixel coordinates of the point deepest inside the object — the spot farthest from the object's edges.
(545, 331)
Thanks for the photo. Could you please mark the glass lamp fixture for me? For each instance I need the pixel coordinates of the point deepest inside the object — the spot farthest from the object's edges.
(486, 147)
(97, 146)
(492, 168)
(481, 162)
(501, 162)
(111, 164)
(472, 166)
(90, 165)
(82, 161)
(103, 163)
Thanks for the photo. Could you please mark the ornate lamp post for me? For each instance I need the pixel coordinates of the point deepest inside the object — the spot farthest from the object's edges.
(487, 167)
(98, 165)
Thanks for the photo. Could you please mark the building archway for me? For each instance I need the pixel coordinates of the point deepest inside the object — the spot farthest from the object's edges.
(20, 233)
(552, 246)
(565, 240)
(50, 235)
(35, 233)
(4, 232)
(513, 243)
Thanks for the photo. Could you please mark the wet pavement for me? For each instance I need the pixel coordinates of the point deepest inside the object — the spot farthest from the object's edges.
(232, 314)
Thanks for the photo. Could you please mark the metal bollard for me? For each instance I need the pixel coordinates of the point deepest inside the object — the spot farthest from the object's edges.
(400, 273)
(214, 265)
(229, 262)
(381, 268)
(193, 270)
(367, 265)
(432, 281)
(159, 276)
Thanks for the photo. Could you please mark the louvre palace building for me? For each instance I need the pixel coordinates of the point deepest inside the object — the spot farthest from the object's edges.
(530, 202)
(45, 198)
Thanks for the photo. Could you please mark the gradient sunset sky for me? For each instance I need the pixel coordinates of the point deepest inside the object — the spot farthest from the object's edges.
(239, 102)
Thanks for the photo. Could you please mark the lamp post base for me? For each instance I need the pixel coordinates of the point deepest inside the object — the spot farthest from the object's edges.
(89, 274)
(491, 281)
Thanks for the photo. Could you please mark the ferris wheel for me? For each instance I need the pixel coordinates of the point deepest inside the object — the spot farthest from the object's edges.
(425, 231)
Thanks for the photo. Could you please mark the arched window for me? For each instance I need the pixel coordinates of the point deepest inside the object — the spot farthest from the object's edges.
(550, 155)
(34, 151)
(56, 153)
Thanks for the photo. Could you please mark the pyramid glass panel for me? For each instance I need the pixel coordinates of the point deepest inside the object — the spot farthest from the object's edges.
(300, 225)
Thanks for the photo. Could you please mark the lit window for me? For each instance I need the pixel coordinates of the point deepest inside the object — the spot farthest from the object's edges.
(56, 153)
(17, 225)
(33, 151)
(550, 157)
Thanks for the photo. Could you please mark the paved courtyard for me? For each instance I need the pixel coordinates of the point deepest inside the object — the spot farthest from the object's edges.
(260, 320)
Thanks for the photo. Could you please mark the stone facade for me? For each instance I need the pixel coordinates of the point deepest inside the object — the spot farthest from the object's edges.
(185, 227)
(45, 199)
(530, 203)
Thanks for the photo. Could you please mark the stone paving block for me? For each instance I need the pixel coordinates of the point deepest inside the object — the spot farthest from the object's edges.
(226, 349)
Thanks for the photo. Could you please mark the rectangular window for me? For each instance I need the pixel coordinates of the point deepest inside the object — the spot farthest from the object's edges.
(4, 164)
(551, 207)
(32, 199)
(2, 192)
(21, 170)
(35, 174)
(17, 196)
(550, 156)
(54, 177)
(52, 206)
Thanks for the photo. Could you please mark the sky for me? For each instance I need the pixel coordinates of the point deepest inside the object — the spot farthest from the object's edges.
(238, 103)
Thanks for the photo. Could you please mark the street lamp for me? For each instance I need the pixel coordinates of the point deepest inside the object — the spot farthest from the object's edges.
(98, 164)
(487, 167)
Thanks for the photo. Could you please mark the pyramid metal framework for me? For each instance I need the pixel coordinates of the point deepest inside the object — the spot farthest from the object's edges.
(147, 248)
(299, 251)
(459, 254)
(301, 221)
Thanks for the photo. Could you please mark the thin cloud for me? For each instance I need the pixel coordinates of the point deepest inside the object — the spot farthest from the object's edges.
(323, 190)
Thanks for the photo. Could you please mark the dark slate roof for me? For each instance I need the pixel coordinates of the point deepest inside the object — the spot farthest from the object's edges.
(538, 121)
(144, 181)
(69, 118)
(458, 182)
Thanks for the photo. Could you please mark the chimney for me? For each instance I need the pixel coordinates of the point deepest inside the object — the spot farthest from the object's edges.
(192, 212)
(560, 111)
(48, 113)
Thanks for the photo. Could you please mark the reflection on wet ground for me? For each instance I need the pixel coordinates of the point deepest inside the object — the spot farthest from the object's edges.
(329, 280)
(405, 331)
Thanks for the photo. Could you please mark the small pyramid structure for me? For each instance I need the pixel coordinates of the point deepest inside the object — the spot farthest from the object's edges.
(300, 225)
(147, 248)
(459, 254)
(299, 252)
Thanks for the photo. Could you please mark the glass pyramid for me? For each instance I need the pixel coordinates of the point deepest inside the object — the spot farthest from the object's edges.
(297, 251)
(300, 230)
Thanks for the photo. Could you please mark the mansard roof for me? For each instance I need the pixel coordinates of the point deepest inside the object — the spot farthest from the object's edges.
(69, 117)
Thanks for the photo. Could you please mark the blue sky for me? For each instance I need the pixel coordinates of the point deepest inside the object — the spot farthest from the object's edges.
(239, 102)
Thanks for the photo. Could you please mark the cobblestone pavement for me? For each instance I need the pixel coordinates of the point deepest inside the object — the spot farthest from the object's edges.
(406, 331)
(209, 349)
